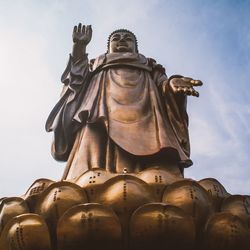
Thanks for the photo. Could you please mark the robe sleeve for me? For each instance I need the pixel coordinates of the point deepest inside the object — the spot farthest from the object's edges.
(60, 120)
(175, 106)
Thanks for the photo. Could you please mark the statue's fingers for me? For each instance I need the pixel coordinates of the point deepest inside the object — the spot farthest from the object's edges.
(195, 93)
(79, 27)
(177, 89)
(87, 28)
(83, 29)
(187, 91)
(89, 31)
(74, 33)
(187, 79)
(196, 82)
(180, 90)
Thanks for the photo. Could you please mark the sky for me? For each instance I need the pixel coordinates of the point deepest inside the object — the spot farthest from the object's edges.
(206, 40)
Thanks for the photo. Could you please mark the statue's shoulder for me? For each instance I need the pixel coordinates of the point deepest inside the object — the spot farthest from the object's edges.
(96, 62)
(156, 66)
(135, 60)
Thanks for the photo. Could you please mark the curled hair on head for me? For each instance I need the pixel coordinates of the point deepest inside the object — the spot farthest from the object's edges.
(123, 30)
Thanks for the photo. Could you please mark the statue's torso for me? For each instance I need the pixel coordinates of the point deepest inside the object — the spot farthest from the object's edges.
(127, 94)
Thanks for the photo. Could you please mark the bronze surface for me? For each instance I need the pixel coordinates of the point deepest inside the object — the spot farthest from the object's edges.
(215, 190)
(238, 205)
(56, 200)
(156, 225)
(225, 231)
(92, 182)
(11, 207)
(25, 232)
(124, 194)
(34, 192)
(89, 226)
(120, 110)
(158, 178)
(192, 198)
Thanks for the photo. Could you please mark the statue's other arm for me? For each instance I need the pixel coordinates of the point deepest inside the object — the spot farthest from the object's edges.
(74, 78)
(177, 86)
(174, 92)
(181, 87)
(77, 68)
(81, 37)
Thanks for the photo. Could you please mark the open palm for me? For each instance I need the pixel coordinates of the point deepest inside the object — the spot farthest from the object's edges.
(82, 34)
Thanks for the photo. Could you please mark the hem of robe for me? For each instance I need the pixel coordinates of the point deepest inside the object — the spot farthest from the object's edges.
(184, 160)
(181, 163)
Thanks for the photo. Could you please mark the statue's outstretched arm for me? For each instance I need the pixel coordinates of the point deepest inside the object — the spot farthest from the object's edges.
(177, 84)
(175, 102)
(176, 89)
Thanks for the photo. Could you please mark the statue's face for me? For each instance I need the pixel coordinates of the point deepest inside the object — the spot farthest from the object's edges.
(122, 42)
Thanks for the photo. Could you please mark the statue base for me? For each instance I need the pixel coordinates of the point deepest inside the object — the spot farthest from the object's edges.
(153, 209)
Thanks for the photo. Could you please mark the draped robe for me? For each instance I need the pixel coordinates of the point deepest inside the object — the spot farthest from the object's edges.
(118, 112)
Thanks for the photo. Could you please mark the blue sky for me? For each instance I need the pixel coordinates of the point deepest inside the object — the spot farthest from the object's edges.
(207, 40)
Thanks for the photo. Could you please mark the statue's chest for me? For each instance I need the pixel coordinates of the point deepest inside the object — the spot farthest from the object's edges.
(126, 85)
(125, 77)
(127, 94)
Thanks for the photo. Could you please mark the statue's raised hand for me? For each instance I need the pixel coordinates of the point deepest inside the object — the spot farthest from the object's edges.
(82, 34)
(185, 85)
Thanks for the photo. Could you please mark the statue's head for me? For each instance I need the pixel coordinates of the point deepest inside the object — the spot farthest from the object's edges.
(122, 40)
